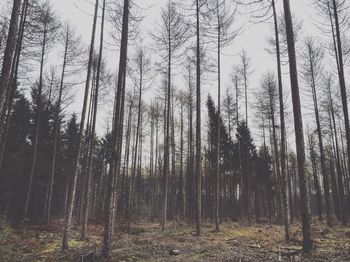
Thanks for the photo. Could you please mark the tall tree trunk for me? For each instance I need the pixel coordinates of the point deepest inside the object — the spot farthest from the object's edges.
(93, 128)
(136, 150)
(76, 164)
(173, 159)
(5, 117)
(9, 53)
(37, 128)
(182, 181)
(117, 134)
(151, 167)
(48, 197)
(299, 134)
(315, 176)
(167, 130)
(198, 130)
(217, 171)
(320, 143)
(335, 154)
(342, 92)
(284, 177)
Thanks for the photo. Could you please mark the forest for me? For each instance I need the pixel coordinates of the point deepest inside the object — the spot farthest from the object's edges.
(147, 133)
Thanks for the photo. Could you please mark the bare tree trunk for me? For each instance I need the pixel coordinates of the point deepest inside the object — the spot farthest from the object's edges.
(136, 150)
(182, 181)
(72, 190)
(9, 53)
(315, 177)
(117, 134)
(48, 199)
(5, 117)
(198, 131)
(167, 130)
(342, 92)
(299, 135)
(93, 128)
(284, 177)
(37, 129)
(173, 159)
(123, 199)
(217, 174)
(151, 167)
(320, 142)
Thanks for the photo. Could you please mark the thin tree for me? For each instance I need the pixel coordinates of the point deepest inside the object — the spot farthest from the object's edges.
(171, 36)
(299, 134)
(45, 28)
(198, 123)
(245, 71)
(117, 134)
(9, 53)
(72, 190)
(223, 19)
(142, 63)
(72, 52)
(312, 72)
(5, 118)
(93, 128)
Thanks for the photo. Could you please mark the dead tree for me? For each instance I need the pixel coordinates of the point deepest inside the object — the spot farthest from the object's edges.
(76, 163)
(312, 71)
(170, 36)
(299, 134)
(223, 34)
(45, 28)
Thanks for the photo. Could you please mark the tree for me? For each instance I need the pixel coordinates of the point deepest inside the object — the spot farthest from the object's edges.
(269, 96)
(171, 35)
(45, 28)
(198, 122)
(70, 136)
(313, 158)
(265, 11)
(299, 134)
(223, 19)
(94, 101)
(9, 53)
(72, 190)
(312, 72)
(245, 70)
(72, 52)
(16, 156)
(248, 157)
(117, 133)
(142, 63)
(5, 116)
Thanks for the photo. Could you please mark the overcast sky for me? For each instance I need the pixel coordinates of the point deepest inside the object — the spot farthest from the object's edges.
(253, 40)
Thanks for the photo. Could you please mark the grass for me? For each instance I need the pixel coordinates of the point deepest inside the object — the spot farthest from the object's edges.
(146, 242)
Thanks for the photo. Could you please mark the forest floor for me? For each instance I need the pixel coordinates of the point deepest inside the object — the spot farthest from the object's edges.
(146, 242)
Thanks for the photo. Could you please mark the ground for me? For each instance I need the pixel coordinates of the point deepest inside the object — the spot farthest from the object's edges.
(146, 242)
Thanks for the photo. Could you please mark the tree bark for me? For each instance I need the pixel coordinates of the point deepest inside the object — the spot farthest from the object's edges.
(198, 129)
(320, 142)
(9, 53)
(284, 177)
(299, 135)
(48, 199)
(37, 128)
(217, 171)
(93, 128)
(342, 92)
(117, 134)
(76, 164)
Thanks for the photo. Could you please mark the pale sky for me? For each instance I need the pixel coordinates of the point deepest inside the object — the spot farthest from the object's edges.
(253, 40)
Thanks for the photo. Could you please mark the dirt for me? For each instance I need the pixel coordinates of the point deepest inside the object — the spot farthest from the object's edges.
(146, 242)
